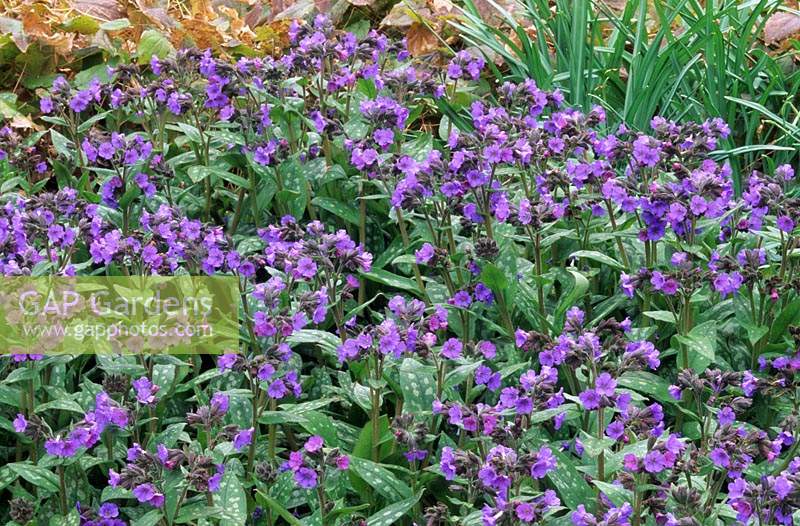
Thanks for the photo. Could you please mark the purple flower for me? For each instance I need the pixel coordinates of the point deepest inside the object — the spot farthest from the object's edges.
(243, 439)
(226, 361)
(543, 463)
(452, 349)
(589, 399)
(384, 137)
(654, 462)
(668, 286)
(461, 299)
(720, 457)
(447, 463)
(144, 492)
(145, 391)
(484, 294)
(785, 224)
(645, 152)
(525, 512)
(277, 389)
(60, 447)
(306, 268)
(783, 487)
(615, 430)
(314, 443)
(424, 254)
(784, 171)
(147, 188)
(306, 478)
(728, 283)
(627, 284)
(20, 424)
(362, 158)
(220, 402)
(80, 101)
(726, 416)
(109, 510)
(214, 482)
(605, 384)
(46, 105)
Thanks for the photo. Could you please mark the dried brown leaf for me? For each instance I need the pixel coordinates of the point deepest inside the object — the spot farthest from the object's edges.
(490, 13)
(104, 10)
(35, 24)
(421, 40)
(323, 6)
(301, 9)
(202, 10)
(399, 16)
(254, 16)
(238, 27)
(198, 32)
(273, 38)
(153, 14)
(442, 7)
(23, 122)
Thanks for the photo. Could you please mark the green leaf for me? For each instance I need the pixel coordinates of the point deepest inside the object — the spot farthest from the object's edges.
(578, 288)
(789, 316)
(70, 519)
(39, 477)
(419, 147)
(320, 424)
(82, 24)
(64, 404)
(494, 278)
(660, 315)
(701, 342)
(597, 256)
(280, 417)
(111, 493)
(275, 506)
(418, 383)
(190, 513)
(459, 374)
(337, 208)
(232, 500)
(380, 478)
(617, 494)
(295, 192)
(647, 383)
(392, 514)
(593, 445)
(363, 446)
(754, 332)
(392, 280)
(21, 374)
(152, 43)
(170, 436)
(571, 486)
(199, 173)
(7, 476)
(62, 145)
(116, 25)
(328, 342)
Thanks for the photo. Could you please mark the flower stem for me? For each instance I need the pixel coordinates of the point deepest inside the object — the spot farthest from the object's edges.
(62, 487)
(406, 244)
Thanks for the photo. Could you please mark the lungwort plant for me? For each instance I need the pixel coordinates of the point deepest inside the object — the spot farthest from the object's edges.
(461, 302)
